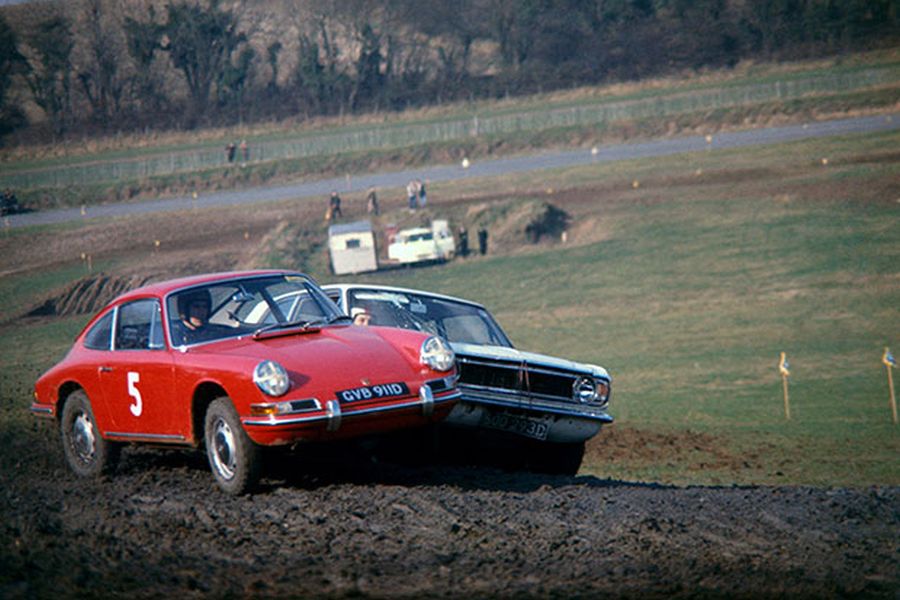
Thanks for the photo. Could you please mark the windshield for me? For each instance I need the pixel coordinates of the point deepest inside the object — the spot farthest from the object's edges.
(453, 321)
(241, 306)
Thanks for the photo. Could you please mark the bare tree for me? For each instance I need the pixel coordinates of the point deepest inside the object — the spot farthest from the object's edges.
(100, 74)
(49, 69)
(11, 63)
(200, 43)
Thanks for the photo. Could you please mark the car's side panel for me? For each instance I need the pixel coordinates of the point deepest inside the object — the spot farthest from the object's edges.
(139, 393)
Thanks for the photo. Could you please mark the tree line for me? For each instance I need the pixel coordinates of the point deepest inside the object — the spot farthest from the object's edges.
(95, 66)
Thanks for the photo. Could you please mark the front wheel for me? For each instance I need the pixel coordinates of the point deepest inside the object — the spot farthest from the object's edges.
(557, 458)
(87, 453)
(233, 457)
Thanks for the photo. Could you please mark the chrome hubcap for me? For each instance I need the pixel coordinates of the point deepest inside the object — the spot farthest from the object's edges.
(83, 439)
(223, 449)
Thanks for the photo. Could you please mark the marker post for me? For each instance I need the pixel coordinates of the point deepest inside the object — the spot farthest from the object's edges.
(785, 372)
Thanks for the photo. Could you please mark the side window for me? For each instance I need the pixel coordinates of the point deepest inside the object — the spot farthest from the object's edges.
(100, 335)
(139, 326)
(335, 296)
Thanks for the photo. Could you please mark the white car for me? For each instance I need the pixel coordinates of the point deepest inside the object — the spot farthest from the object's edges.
(413, 245)
(557, 402)
(421, 244)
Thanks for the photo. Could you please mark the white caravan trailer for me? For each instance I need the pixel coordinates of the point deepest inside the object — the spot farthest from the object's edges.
(352, 248)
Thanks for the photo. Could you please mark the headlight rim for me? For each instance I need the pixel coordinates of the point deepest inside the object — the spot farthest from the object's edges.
(577, 394)
(437, 354)
(274, 382)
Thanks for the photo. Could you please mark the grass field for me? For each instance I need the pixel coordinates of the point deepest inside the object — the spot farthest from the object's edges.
(688, 277)
(703, 281)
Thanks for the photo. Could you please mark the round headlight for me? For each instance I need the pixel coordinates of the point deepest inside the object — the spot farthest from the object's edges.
(271, 378)
(436, 353)
(584, 390)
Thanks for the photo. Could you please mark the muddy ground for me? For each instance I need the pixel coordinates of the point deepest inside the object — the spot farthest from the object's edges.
(342, 524)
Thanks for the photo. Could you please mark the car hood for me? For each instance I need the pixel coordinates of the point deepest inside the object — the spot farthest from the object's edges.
(353, 352)
(507, 354)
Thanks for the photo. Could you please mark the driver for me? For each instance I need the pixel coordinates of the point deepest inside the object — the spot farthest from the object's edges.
(361, 316)
(193, 315)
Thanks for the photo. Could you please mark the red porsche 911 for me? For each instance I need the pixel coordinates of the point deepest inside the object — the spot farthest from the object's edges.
(233, 362)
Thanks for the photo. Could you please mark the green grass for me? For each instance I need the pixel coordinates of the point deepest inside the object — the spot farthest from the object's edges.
(692, 299)
(701, 282)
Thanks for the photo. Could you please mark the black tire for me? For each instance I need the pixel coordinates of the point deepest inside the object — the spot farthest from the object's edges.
(87, 453)
(235, 461)
(557, 458)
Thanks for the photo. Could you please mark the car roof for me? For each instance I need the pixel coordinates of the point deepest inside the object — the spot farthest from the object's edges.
(399, 290)
(162, 288)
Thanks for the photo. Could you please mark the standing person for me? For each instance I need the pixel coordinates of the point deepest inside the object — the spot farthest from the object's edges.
(412, 194)
(463, 241)
(372, 202)
(422, 198)
(245, 151)
(229, 151)
(482, 240)
(334, 205)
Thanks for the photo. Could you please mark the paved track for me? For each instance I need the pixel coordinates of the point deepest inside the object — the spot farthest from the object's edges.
(488, 168)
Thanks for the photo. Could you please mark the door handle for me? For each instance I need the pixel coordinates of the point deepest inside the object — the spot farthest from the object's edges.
(105, 369)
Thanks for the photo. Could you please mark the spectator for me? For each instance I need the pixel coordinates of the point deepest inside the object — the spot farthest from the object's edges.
(463, 242)
(412, 194)
(334, 206)
(372, 202)
(482, 240)
(422, 198)
(245, 151)
(230, 149)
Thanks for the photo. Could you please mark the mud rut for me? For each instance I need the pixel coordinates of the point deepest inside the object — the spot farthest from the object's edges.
(345, 525)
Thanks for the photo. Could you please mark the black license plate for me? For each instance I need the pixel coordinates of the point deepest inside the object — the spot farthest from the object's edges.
(374, 392)
(532, 428)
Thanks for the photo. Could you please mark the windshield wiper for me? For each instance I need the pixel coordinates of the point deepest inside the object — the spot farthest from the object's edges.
(330, 320)
(283, 325)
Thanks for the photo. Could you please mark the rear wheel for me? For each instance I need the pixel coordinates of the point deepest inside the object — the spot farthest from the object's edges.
(87, 453)
(233, 457)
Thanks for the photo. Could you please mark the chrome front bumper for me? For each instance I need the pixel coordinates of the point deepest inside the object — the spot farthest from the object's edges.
(334, 414)
(567, 422)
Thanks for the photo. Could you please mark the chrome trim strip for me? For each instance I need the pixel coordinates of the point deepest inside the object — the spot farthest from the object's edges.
(365, 411)
(520, 395)
(40, 409)
(594, 413)
(146, 436)
(532, 368)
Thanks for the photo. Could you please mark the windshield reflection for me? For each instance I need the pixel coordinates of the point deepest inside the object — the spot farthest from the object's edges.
(454, 321)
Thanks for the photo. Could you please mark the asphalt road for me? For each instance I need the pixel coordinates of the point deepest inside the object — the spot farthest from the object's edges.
(488, 168)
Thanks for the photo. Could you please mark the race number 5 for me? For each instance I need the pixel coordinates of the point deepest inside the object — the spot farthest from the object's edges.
(137, 407)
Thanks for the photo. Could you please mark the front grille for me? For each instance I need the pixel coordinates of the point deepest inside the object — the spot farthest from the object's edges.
(489, 376)
(438, 385)
(304, 405)
(517, 377)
